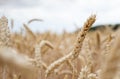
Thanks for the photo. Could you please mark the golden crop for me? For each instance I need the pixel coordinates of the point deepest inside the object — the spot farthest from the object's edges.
(79, 55)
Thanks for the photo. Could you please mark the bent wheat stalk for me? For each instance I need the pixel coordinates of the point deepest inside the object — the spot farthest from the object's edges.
(77, 47)
(37, 61)
(56, 64)
(32, 20)
(29, 32)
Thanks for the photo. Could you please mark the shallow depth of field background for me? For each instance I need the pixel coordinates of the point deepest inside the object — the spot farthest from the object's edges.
(28, 57)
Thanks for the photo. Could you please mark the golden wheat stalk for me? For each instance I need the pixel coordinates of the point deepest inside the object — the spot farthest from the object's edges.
(108, 42)
(89, 58)
(12, 23)
(87, 71)
(112, 65)
(29, 32)
(81, 35)
(69, 62)
(32, 20)
(4, 32)
(47, 43)
(37, 61)
(76, 50)
(98, 40)
(92, 76)
(8, 56)
(84, 73)
(68, 72)
(56, 64)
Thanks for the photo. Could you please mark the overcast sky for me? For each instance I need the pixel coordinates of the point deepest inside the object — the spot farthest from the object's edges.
(60, 14)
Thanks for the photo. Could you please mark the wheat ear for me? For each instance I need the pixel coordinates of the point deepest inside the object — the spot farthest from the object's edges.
(87, 71)
(82, 34)
(108, 41)
(5, 40)
(78, 44)
(111, 66)
(37, 61)
(8, 56)
(86, 74)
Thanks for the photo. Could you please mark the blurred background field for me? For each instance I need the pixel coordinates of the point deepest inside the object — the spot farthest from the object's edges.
(55, 26)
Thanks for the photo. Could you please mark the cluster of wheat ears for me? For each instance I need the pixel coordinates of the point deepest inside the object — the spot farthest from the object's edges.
(29, 55)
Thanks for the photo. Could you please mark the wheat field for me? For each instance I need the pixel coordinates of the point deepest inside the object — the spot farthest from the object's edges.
(82, 54)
